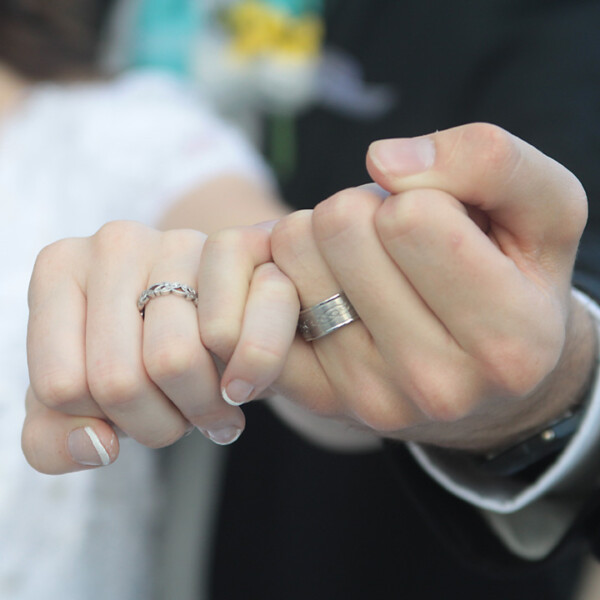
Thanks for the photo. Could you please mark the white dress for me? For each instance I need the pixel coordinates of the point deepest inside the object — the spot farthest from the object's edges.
(72, 158)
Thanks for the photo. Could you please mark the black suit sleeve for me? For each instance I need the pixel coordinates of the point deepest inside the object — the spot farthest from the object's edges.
(530, 66)
(540, 79)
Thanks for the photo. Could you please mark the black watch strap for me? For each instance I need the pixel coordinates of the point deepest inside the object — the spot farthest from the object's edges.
(551, 440)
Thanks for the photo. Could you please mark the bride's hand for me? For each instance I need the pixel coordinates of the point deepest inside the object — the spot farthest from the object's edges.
(96, 364)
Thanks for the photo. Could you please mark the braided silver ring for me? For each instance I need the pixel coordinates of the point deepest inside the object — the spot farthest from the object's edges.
(321, 319)
(164, 288)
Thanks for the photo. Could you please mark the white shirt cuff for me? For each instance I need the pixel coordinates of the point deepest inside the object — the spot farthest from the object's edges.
(528, 517)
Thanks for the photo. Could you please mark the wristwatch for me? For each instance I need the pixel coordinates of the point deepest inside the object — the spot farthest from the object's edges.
(553, 437)
(548, 441)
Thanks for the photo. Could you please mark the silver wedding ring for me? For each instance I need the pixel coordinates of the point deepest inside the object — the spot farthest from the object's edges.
(321, 319)
(164, 288)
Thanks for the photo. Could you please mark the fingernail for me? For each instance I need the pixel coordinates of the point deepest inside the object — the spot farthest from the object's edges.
(86, 448)
(403, 156)
(375, 189)
(268, 225)
(223, 437)
(237, 392)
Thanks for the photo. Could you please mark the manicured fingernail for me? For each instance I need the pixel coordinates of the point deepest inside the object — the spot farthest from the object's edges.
(86, 448)
(237, 392)
(403, 156)
(223, 437)
(268, 225)
(375, 189)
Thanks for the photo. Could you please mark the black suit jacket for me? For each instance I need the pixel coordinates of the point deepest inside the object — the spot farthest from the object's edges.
(298, 522)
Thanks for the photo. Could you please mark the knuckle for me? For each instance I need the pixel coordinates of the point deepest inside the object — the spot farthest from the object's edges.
(448, 398)
(235, 239)
(52, 259)
(59, 390)
(280, 287)
(167, 436)
(178, 241)
(260, 358)
(384, 415)
(269, 272)
(119, 241)
(514, 366)
(53, 253)
(226, 238)
(407, 212)
(448, 405)
(377, 405)
(114, 385)
(220, 336)
(288, 236)
(575, 210)
(116, 232)
(344, 211)
(494, 147)
(171, 358)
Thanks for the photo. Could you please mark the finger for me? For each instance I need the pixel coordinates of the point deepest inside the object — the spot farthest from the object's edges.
(116, 374)
(349, 357)
(487, 304)
(344, 227)
(529, 195)
(227, 265)
(424, 358)
(174, 357)
(56, 330)
(55, 443)
(270, 322)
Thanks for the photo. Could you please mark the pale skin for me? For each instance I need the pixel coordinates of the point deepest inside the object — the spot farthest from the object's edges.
(473, 378)
(469, 335)
(488, 342)
(239, 201)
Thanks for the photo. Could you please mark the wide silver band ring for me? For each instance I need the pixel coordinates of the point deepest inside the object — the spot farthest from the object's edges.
(321, 319)
(162, 289)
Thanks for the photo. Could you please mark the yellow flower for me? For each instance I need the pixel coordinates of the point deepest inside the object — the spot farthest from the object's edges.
(259, 29)
(303, 37)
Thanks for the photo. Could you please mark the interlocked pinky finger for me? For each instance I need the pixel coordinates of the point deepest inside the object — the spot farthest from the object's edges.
(268, 329)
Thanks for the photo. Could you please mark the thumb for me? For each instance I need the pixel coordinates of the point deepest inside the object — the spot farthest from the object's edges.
(529, 195)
